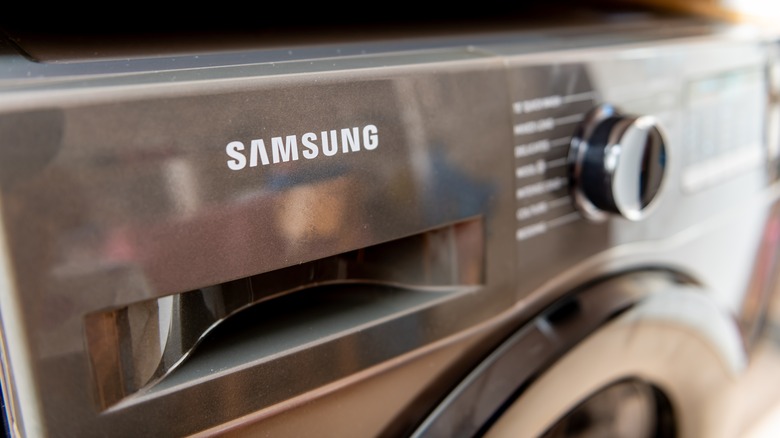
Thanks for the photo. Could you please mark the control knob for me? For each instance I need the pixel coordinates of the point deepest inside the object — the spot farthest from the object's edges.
(616, 164)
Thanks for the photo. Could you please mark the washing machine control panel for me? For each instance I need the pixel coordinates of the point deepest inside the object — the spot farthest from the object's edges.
(611, 149)
(549, 104)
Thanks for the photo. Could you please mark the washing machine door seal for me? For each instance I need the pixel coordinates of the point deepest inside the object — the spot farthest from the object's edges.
(647, 344)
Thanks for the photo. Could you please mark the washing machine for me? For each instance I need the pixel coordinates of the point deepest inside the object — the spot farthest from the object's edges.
(567, 227)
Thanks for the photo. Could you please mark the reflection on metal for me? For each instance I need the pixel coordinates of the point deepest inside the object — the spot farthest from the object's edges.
(764, 282)
(134, 346)
(626, 409)
(294, 217)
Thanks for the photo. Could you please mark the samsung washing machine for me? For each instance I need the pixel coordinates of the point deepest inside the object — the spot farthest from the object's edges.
(568, 229)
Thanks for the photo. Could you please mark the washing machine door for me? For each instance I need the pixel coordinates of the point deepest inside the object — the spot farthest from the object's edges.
(645, 354)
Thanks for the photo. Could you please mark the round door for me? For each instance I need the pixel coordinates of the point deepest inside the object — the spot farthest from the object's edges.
(644, 354)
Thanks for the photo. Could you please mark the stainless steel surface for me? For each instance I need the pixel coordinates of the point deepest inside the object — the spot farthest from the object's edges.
(275, 241)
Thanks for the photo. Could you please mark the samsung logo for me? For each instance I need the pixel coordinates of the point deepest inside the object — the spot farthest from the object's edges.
(309, 145)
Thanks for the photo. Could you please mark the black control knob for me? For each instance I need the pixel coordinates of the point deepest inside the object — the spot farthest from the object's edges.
(617, 164)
